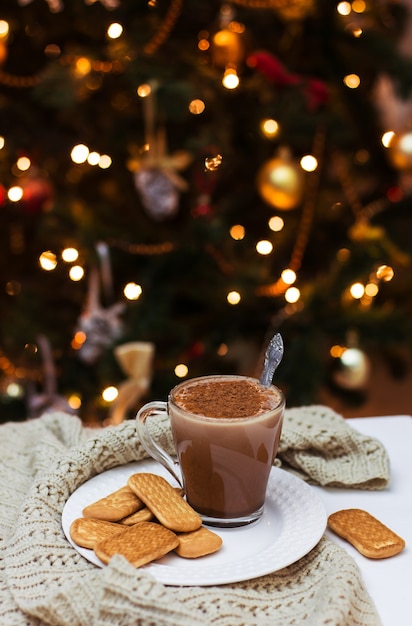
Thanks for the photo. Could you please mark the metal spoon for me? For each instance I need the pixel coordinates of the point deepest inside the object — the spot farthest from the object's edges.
(273, 356)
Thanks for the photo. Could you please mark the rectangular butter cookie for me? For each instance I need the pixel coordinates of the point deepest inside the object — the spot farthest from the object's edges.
(366, 533)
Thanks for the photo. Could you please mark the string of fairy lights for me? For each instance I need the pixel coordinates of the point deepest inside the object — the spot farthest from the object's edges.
(225, 45)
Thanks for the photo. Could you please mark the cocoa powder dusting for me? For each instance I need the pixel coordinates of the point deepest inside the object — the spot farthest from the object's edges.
(223, 399)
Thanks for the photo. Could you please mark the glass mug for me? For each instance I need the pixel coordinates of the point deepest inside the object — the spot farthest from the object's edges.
(226, 430)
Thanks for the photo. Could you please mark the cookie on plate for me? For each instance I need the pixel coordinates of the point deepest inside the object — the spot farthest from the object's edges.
(198, 543)
(139, 544)
(165, 503)
(115, 506)
(87, 532)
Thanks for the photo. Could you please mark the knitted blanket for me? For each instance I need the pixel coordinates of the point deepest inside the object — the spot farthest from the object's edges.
(45, 581)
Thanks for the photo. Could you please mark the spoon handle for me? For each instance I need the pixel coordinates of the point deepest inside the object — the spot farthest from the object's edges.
(273, 356)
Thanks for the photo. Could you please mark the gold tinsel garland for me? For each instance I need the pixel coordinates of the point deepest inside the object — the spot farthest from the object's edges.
(143, 249)
(165, 28)
(21, 82)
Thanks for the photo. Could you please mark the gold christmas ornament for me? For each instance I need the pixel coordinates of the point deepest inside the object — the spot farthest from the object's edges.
(227, 49)
(280, 183)
(400, 151)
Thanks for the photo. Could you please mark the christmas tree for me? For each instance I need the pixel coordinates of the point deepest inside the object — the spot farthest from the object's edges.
(181, 180)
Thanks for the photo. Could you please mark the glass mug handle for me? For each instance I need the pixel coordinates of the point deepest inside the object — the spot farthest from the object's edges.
(149, 444)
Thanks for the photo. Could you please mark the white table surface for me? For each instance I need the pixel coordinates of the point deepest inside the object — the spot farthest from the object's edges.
(389, 581)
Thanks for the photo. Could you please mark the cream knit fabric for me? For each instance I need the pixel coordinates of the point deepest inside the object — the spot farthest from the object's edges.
(44, 581)
(323, 449)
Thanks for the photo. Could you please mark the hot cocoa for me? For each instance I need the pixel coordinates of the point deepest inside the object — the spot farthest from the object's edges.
(225, 398)
(226, 431)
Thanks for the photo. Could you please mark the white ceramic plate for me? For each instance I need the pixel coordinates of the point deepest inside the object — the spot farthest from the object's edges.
(293, 522)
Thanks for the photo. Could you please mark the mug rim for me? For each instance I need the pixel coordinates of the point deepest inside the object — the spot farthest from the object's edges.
(279, 406)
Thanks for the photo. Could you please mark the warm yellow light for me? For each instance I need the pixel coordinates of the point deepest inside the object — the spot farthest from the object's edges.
(78, 340)
(405, 143)
(264, 247)
(269, 127)
(230, 79)
(387, 138)
(105, 161)
(144, 90)
(83, 66)
(236, 27)
(181, 370)
(52, 50)
(352, 357)
(352, 81)
(222, 349)
(79, 153)
(2, 142)
(309, 163)
(115, 30)
(14, 390)
(93, 158)
(233, 297)
(132, 291)
(76, 273)
(288, 276)
(292, 295)
(336, 351)
(343, 254)
(357, 32)
(4, 29)
(276, 223)
(203, 45)
(110, 393)
(15, 194)
(357, 290)
(196, 107)
(344, 8)
(385, 273)
(371, 289)
(23, 164)
(74, 401)
(48, 260)
(359, 6)
(237, 232)
(70, 254)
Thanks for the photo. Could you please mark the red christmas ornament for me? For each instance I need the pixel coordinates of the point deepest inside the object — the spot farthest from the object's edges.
(3, 195)
(315, 90)
(37, 197)
(272, 68)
